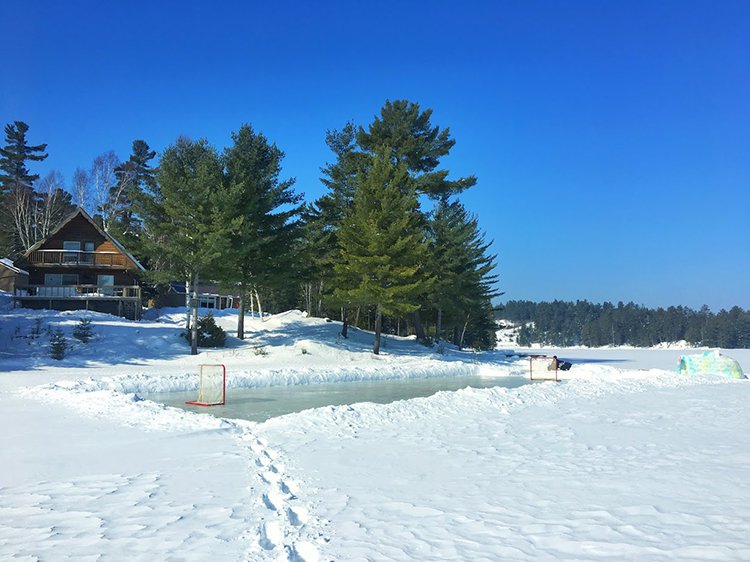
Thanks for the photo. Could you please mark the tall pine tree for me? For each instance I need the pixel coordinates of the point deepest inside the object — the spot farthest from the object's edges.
(17, 196)
(257, 227)
(464, 278)
(180, 214)
(414, 142)
(382, 244)
(135, 177)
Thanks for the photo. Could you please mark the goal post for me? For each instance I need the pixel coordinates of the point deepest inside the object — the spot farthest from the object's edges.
(212, 386)
(543, 368)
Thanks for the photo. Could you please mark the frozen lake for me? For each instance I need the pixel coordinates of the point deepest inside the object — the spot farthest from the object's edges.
(633, 358)
(261, 403)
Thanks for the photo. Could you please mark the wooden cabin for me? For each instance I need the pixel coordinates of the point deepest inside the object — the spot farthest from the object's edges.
(81, 267)
(12, 277)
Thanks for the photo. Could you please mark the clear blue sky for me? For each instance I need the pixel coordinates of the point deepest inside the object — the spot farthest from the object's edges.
(611, 139)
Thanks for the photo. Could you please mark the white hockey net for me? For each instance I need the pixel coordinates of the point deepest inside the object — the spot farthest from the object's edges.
(212, 386)
(542, 368)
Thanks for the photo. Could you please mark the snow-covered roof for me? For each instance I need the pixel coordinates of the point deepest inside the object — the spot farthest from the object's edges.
(9, 264)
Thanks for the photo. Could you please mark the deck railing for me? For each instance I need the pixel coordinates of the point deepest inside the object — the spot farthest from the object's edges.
(80, 291)
(78, 258)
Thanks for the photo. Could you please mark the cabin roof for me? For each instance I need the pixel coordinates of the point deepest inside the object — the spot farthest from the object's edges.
(9, 264)
(85, 215)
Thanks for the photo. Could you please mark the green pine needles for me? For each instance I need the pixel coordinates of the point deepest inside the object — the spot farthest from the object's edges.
(58, 345)
(209, 333)
(382, 244)
(83, 331)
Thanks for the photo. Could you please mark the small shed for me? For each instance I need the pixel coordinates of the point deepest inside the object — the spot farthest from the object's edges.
(12, 278)
(710, 363)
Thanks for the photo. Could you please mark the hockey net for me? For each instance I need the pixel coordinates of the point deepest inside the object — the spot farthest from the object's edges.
(543, 368)
(212, 387)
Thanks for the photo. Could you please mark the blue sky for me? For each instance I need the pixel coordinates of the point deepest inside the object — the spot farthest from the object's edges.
(611, 139)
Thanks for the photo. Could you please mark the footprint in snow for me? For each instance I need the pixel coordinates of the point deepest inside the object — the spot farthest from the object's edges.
(273, 500)
(298, 515)
(271, 535)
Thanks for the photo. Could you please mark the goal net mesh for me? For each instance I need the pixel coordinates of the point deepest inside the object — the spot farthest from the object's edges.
(212, 385)
(542, 367)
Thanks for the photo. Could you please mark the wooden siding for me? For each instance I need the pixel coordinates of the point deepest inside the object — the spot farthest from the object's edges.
(80, 230)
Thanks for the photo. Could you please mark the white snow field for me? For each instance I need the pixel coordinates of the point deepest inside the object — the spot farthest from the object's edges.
(622, 460)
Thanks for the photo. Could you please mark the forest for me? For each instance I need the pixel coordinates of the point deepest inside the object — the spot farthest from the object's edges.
(389, 246)
(560, 323)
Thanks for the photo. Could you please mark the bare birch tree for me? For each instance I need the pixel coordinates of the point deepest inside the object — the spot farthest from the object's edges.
(52, 203)
(81, 187)
(20, 207)
(103, 180)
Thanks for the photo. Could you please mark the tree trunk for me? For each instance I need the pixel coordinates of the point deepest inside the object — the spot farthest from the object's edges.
(187, 304)
(418, 328)
(249, 296)
(320, 299)
(241, 317)
(307, 293)
(194, 327)
(439, 325)
(260, 309)
(378, 326)
(463, 332)
(345, 324)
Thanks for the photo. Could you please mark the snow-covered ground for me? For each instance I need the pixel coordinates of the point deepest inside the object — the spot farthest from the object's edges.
(622, 460)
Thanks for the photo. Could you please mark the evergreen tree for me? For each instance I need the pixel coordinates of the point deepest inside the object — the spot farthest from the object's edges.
(257, 227)
(323, 219)
(83, 331)
(382, 244)
(58, 345)
(17, 197)
(414, 142)
(209, 333)
(462, 269)
(135, 177)
(14, 156)
(180, 214)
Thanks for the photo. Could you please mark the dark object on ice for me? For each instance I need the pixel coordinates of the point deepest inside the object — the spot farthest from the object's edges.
(564, 365)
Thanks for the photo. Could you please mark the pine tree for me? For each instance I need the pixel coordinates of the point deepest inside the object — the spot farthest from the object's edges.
(179, 215)
(17, 196)
(135, 177)
(418, 145)
(322, 220)
(83, 331)
(256, 227)
(14, 156)
(415, 143)
(58, 345)
(463, 272)
(382, 244)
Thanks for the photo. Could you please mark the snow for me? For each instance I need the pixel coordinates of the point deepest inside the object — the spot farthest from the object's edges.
(624, 459)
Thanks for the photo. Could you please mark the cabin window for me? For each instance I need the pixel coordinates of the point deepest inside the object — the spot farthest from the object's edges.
(88, 257)
(60, 279)
(75, 247)
(105, 281)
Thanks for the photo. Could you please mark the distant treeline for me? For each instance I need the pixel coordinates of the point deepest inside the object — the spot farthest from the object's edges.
(562, 323)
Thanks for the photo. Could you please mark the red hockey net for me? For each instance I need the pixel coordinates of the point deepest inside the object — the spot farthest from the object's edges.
(543, 368)
(212, 387)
